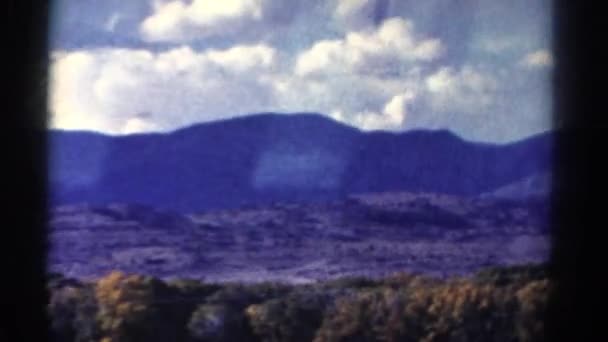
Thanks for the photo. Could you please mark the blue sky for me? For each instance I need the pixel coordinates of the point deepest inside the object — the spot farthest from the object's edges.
(481, 68)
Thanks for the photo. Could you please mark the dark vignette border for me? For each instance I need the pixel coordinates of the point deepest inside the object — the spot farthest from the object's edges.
(23, 239)
(580, 177)
(578, 113)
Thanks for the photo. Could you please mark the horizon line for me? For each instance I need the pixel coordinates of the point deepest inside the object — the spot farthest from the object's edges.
(298, 114)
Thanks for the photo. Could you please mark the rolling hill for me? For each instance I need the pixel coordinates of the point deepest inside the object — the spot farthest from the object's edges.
(266, 158)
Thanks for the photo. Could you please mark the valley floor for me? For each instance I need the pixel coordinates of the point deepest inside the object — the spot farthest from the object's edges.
(371, 235)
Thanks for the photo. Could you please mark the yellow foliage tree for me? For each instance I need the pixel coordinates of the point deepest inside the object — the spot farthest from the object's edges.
(127, 308)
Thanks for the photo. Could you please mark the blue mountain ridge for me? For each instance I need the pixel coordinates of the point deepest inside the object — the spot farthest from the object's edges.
(263, 158)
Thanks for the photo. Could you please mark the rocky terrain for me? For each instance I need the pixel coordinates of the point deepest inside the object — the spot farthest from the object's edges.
(371, 234)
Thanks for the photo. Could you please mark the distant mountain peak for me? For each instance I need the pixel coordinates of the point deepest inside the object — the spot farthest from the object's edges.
(269, 157)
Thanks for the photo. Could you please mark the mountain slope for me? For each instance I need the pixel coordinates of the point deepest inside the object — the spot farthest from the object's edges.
(534, 186)
(365, 234)
(275, 157)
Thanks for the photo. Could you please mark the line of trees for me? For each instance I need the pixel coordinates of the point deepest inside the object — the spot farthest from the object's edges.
(499, 304)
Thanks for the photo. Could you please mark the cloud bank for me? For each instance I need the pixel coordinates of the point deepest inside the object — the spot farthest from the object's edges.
(375, 64)
(108, 89)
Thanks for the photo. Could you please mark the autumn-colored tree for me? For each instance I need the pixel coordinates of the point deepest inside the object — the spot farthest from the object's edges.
(457, 310)
(500, 304)
(533, 299)
(359, 317)
(464, 311)
(72, 311)
(135, 308)
(294, 318)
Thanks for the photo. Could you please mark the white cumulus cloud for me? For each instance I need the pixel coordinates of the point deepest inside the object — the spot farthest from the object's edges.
(355, 14)
(393, 45)
(361, 61)
(391, 117)
(382, 77)
(396, 108)
(465, 90)
(109, 89)
(244, 58)
(537, 59)
(180, 21)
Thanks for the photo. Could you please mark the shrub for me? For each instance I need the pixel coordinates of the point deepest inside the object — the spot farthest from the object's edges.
(72, 311)
(191, 288)
(218, 323)
(464, 311)
(294, 318)
(358, 282)
(520, 274)
(458, 310)
(499, 304)
(240, 296)
(533, 299)
(355, 318)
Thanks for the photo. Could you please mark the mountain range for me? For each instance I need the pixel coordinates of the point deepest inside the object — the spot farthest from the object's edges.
(265, 158)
